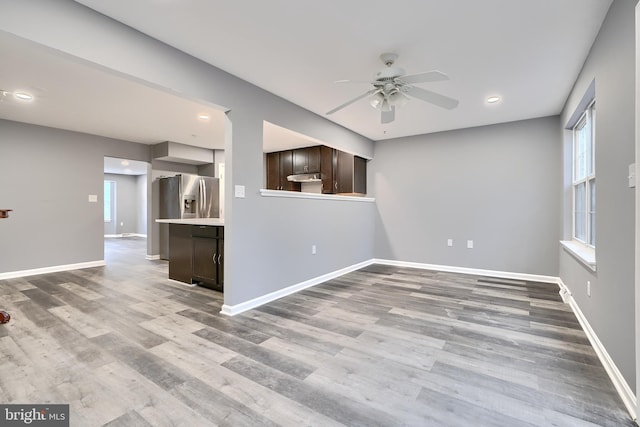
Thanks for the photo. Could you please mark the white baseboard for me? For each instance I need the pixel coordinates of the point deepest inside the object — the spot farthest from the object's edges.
(52, 269)
(232, 310)
(152, 257)
(626, 394)
(117, 236)
(473, 271)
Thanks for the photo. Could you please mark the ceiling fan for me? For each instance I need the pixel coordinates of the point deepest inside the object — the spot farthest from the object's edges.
(391, 87)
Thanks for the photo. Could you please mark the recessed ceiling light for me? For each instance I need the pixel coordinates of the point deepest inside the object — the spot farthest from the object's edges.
(204, 117)
(23, 96)
(493, 99)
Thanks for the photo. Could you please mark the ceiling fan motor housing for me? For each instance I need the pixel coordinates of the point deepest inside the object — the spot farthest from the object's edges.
(389, 73)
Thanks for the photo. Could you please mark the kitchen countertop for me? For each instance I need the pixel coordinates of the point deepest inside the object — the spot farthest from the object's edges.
(194, 221)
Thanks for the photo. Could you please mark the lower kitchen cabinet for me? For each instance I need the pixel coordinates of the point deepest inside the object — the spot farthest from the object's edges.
(180, 252)
(196, 255)
(208, 256)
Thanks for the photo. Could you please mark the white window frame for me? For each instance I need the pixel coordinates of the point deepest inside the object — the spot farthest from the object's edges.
(109, 206)
(588, 180)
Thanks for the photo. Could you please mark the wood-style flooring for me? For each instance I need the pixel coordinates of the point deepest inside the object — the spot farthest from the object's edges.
(382, 346)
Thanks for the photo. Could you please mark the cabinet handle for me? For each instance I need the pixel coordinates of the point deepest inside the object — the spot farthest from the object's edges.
(214, 258)
(219, 256)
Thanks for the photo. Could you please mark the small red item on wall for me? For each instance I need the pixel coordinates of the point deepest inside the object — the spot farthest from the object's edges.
(4, 317)
(4, 213)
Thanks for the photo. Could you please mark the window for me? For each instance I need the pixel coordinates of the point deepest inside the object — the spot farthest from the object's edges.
(584, 178)
(109, 200)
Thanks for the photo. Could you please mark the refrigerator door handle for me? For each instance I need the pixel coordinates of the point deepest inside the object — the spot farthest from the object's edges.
(203, 197)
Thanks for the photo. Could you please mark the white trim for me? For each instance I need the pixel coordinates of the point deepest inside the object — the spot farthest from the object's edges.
(581, 252)
(113, 236)
(52, 269)
(474, 271)
(232, 310)
(152, 257)
(177, 282)
(301, 195)
(621, 385)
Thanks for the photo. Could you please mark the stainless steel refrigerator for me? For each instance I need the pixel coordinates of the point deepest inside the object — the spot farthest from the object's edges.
(186, 196)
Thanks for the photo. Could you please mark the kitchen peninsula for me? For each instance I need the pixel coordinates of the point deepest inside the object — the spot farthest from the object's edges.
(196, 251)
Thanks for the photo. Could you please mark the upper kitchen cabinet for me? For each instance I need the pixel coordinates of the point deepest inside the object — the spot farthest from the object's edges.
(279, 167)
(339, 171)
(306, 160)
(345, 173)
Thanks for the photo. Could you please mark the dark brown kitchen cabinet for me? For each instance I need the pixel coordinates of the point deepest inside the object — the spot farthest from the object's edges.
(208, 256)
(196, 255)
(279, 167)
(306, 160)
(328, 169)
(273, 171)
(342, 173)
(359, 175)
(180, 252)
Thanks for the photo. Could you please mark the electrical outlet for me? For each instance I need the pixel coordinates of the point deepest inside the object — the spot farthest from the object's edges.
(588, 288)
(313, 249)
(449, 242)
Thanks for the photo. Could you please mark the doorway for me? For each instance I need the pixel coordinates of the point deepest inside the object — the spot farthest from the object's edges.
(125, 201)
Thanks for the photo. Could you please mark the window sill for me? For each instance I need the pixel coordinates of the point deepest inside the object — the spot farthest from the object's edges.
(299, 195)
(583, 253)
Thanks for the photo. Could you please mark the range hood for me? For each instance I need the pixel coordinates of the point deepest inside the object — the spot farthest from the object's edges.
(305, 177)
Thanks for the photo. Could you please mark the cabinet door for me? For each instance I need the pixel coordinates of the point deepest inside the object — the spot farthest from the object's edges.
(180, 253)
(344, 172)
(286, 169)
(300, 161)
(220, 266)
(327, 169)
(273, 171)
(359, 175)
(205, 259)
(306, 160)
(313, 159)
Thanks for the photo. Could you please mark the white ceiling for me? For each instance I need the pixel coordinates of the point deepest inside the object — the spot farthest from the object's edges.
(527, 52)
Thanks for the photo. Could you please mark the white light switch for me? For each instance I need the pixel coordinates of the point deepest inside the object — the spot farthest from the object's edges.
(93, 198)
(239, 191)
(632, 175)
(449, 242)
(469, 244)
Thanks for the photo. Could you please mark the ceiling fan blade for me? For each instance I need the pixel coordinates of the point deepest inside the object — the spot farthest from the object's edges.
(353, 81)
(358, 98)
(429, 76)
(388, 116)
(431, 97)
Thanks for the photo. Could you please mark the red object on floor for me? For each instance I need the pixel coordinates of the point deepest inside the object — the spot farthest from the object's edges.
(4, 317)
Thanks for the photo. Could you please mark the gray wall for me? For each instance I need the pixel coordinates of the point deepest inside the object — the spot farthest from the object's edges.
(47, 176)
(610, 309)
(130, 205)
(141, 204)
(124, 51)
(496, 185)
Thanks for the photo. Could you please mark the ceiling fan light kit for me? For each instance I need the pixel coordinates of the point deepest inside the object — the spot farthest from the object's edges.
(391, 87)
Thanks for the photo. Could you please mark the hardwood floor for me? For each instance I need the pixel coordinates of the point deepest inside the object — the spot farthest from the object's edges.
(382, 346)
